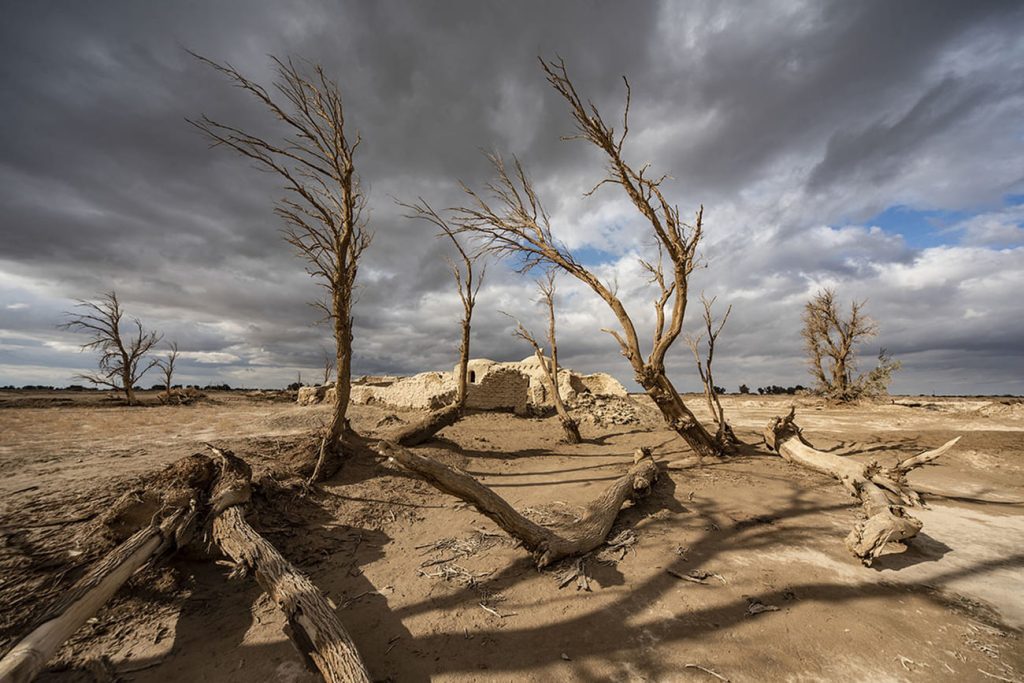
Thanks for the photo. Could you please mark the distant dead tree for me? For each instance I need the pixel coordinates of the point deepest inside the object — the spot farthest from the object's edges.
(724, 436)
(831, 340)
(570, 426)
(323, 210)
(518, 227)
(468, 282)
(166, 366)
(328, 367)
(122, 360)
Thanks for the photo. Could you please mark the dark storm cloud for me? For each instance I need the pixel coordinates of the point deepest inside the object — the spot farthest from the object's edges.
(784, 119)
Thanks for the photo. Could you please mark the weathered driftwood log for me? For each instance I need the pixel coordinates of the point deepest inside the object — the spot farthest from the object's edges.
(884, 493)
(548, 545)
(313, 627)
(167, 530)
(418, 432)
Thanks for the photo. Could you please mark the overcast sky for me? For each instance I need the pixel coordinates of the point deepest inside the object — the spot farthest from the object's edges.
(877, 147)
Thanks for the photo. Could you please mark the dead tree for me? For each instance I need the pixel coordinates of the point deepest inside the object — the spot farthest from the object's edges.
(468, 283)
(323, 208)
(570, 426)
(831, 345)
(313, 626)
(517, 226)
(724, 436)
(122, 360)
(328, 368)
(166, 366)
(547, 545)
(884, 493)
(167, 528)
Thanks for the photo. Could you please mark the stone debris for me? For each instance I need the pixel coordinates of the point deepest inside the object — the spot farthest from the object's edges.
(605, 410)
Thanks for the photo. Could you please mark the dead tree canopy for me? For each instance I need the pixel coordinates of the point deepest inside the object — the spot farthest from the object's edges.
(884, 493)
(323, 207)
(123, 359)
(510, 221)
(831, 341)
(167, 367)
(570, 426)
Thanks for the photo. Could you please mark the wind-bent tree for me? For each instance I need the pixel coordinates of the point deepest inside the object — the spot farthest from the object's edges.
(122, 360)
(724, 436)
(322, 210)
(517, 226)
(831, 340)
(166, 366)
(570, 426)
(468, 282)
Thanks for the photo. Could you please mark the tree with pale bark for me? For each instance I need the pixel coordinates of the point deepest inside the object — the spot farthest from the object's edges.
(122, 361)
(510, 221)
(831, 340)
(323, 207)
(570, 425)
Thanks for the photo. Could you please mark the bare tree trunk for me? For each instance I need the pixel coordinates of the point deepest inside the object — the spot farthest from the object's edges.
(313, 626)
(463, 378)
(677, 415)
(343, 384)
(419, 432)
(547, 544)
(883, 493)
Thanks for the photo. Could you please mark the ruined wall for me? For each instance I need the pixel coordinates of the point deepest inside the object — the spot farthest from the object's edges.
(431, 390)
(500, 389)
(493, 386)
(602, 384)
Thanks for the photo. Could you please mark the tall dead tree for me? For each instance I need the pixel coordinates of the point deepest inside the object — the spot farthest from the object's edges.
(322, 211)
(724, 435)
(831, 340)
(122, 360)
(570, 426)
(468, 282)
(517, 226)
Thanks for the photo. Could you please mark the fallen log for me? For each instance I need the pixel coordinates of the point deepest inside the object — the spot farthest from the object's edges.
(884, 493)
(313, 626)
(418, 432)
(549, 545)
(168, 529)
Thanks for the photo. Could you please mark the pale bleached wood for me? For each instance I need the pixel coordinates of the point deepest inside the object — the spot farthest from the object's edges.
(884, 493)
(313, 626)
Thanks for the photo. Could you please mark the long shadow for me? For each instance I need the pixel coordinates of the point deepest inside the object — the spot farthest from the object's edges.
(708, 546)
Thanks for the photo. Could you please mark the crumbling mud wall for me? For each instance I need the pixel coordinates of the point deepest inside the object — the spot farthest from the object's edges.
(430, 390)
(517, 386)
(500, 389)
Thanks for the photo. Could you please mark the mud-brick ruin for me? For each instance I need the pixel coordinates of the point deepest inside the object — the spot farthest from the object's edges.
(516, 386)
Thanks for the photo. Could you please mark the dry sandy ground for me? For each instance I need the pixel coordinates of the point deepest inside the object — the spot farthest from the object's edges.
(411, 570)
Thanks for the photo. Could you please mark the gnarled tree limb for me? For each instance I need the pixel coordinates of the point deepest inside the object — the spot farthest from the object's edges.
(883, 492)
(549, 545)
(312, 624)
(169, 529)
